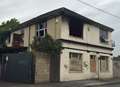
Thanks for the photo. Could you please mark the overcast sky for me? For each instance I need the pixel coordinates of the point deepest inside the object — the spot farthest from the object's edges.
(27, 9)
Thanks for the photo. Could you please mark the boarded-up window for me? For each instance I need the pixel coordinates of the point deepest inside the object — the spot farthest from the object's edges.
(92, 63)
(75, 62)
(104, 63)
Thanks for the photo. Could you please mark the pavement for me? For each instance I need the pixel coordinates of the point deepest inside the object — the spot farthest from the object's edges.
(82, 83)
(102, 82)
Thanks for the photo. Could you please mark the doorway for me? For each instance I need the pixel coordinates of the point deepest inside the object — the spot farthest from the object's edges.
(93, 66)
(93, 63)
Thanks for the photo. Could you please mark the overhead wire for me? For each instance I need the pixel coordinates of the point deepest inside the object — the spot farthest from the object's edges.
(101, 10)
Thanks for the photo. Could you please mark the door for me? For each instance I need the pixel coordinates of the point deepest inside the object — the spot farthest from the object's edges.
(93, 63)
(93, 66)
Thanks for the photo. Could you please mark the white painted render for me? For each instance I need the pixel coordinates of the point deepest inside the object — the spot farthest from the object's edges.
(66, 75)
(11, 38)
(90, 36)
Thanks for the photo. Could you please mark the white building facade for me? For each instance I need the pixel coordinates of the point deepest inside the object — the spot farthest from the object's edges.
(87, 57)
(87, 52)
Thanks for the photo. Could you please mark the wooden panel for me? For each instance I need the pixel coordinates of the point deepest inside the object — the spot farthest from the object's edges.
(92, 63)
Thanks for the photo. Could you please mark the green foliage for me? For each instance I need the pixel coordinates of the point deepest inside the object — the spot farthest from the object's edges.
(47, 45)
(5, 29)
(3, 37)
(9, 25)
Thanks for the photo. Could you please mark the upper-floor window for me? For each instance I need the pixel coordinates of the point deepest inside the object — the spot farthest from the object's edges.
(103, 36)
(75, 62)
(76, 28)
(41, 29)
(18, 39)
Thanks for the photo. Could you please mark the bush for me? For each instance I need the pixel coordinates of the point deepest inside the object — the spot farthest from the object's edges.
(47, 45)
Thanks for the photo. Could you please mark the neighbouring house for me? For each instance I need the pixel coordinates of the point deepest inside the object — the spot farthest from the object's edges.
(116, 67)
(87, 52)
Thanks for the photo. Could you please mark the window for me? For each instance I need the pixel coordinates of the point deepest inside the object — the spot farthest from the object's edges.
(75, 62)
(41, 29)
(104, 63)
(103, 36)
(92, 63)
(76, 28)
(18, 39)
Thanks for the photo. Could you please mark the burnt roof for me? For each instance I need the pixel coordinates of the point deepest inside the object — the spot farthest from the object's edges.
(64, 12)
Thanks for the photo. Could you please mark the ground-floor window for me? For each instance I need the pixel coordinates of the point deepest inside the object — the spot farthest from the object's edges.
(92, 63)
(104, 64)
(75, 62)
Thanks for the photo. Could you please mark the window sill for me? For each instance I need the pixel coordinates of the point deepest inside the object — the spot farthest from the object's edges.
(104, 71)
(106, 43)
(75, 72)
(76, 37)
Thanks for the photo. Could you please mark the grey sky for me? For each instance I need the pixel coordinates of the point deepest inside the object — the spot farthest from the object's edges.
(27, 9)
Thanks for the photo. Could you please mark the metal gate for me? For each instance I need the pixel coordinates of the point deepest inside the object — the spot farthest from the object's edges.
(18, 67)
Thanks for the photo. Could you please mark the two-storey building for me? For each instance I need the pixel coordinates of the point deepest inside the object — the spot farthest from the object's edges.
(87, 52)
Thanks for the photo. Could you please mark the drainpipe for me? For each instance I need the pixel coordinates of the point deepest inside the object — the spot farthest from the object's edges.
(87, 35)
(56, 21)
(98, 67)
(29, 40)
(29, 37)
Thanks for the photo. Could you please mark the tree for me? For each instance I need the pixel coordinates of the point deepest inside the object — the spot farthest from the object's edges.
(3, 37)
(9, 25)
(5, 29)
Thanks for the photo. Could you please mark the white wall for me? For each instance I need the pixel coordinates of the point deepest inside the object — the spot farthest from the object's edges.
(90, 35)
(11, 38)
(66, 75)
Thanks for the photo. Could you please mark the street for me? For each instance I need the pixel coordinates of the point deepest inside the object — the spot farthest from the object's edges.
(60, 84)
(112, 85)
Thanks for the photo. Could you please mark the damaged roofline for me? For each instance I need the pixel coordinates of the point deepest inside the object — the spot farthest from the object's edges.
(62, 12)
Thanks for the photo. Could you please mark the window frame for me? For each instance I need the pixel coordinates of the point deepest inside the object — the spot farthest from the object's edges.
(79, 24)
(106, 60)
(44, 29)
(18, 39)
(104, 36)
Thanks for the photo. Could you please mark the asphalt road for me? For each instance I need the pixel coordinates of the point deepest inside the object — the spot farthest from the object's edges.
(114, 85)
(63, 84)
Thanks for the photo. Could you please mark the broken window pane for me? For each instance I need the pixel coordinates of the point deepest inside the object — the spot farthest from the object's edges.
(103, 36)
